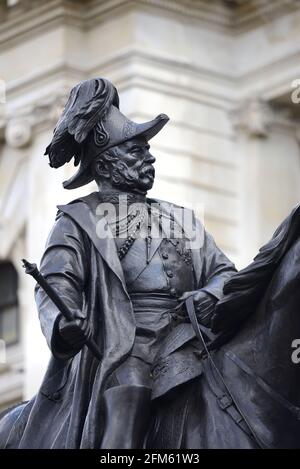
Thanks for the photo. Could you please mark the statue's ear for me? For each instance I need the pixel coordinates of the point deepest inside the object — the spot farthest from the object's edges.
(102, 169)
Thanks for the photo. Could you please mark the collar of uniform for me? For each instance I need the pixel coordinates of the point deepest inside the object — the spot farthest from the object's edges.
(121, 197)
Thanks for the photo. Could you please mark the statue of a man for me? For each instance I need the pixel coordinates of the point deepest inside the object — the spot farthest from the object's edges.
(123, 284)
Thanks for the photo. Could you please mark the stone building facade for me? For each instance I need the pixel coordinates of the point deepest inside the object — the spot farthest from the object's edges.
(226, 72)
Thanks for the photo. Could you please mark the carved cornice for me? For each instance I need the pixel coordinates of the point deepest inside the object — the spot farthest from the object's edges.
(18, 22)
(253, 118)
(254, 13)
(17, 128)
(256, 117)
(28, 16)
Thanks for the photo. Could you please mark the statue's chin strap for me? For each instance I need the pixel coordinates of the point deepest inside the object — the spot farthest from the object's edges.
(214, 377)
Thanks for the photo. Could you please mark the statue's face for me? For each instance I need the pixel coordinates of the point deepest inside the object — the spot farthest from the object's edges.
(132, 167)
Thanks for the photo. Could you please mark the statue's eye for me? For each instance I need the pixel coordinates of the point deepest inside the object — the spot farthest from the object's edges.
(136, 151)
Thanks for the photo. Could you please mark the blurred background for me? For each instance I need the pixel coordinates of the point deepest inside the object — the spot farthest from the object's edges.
(226, 72)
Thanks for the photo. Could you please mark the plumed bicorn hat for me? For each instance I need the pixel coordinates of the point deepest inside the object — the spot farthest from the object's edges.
(92, 119)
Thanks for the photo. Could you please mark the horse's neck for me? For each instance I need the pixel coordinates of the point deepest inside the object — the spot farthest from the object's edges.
(265, 340)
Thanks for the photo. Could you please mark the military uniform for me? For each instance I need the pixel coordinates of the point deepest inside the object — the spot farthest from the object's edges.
(162, 327)
(165, 352)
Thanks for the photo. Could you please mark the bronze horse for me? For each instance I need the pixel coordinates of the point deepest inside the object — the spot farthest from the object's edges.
(259, 314)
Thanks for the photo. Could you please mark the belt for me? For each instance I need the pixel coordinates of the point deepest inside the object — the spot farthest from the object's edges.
(153, 301)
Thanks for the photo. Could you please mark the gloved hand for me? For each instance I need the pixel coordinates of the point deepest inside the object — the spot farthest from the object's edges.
(74, 333)
(204, 305)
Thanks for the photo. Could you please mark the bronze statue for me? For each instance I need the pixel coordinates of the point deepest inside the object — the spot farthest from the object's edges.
(175, 356)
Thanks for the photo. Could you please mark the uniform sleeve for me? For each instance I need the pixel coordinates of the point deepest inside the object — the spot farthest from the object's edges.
(64, 265)
(216, 269)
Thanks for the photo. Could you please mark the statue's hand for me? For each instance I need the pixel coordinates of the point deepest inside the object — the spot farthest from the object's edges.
(204, 304)
(75, 333)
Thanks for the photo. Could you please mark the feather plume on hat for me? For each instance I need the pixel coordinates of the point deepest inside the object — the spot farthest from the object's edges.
(87, 106)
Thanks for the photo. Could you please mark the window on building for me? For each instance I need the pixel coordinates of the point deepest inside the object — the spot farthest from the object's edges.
(9, 311)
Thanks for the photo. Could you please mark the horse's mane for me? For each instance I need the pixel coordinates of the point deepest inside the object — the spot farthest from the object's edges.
(244, 289)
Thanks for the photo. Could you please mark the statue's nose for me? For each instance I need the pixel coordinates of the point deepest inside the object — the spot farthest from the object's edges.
(150, 158)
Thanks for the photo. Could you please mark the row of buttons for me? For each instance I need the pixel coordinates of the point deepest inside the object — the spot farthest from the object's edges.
(165, 255)
(170, 274)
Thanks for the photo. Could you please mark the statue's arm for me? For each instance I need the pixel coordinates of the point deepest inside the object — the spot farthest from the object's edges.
(216, 267)
(64, 265)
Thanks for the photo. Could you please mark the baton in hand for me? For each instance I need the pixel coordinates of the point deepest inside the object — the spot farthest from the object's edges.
(32, 270)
